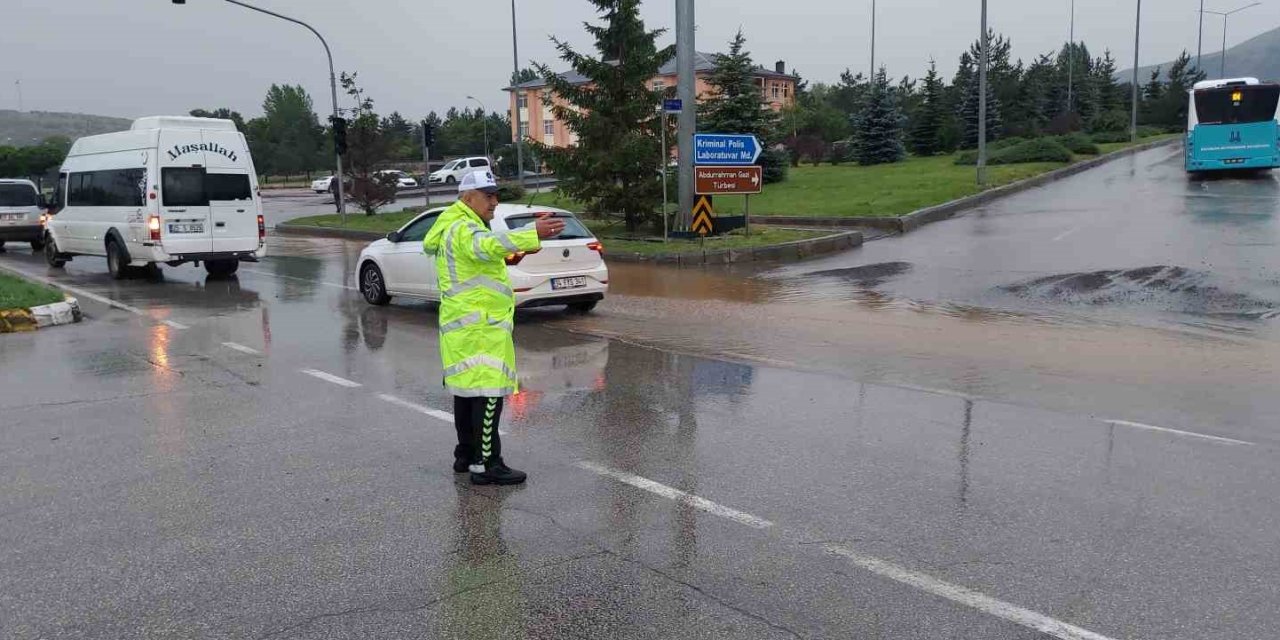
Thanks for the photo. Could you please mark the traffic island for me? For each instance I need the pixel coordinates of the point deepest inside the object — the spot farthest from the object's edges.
(697, 253)
(28, 306)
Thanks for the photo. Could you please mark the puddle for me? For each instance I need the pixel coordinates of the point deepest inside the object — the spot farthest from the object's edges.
(1167, 288)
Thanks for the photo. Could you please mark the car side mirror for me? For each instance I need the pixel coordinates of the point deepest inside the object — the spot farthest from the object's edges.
(394, 236)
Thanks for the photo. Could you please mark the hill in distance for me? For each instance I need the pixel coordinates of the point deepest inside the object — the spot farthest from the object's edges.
(25, 128)
(1258, 57)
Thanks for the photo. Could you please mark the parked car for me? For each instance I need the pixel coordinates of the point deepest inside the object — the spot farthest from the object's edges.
(22, 213)
(403, 180)
(453, 171)
(171, 189)
(569, 269)
(322, 185)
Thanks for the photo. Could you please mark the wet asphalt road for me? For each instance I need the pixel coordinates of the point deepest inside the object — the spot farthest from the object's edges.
(877, 464)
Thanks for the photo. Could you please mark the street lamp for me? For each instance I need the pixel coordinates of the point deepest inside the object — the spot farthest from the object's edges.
(1222, 70)
(873, 41)
(333, 90)
(985, 56)
(1133, 114)
(1071, 56)
(484, 119)
(515, 94)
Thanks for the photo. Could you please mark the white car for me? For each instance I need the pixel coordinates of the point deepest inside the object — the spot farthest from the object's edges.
(403, 180)
(569, 269)
(322, 185)
(452, 172)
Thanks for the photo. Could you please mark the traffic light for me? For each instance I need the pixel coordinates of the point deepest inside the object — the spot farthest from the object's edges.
(428, 134)
(339, 134)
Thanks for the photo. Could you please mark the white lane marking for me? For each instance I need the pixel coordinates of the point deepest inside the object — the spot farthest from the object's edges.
(1065, 234)
(965, 596)
(241, 348)
(434, 413)
(278, 275)
(677, 495)
(329, 377)
(1151, 427)
(939, 392)
(95, 297)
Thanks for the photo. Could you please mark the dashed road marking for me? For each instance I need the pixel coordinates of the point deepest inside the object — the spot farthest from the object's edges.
(965, 596)
(95, 297)
(1189, 434)
(241, 348)
(678, 495)
(1065, 234)
(424, 410)
(329, 377)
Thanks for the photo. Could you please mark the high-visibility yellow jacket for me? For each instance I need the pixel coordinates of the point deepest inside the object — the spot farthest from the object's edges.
(477, 305)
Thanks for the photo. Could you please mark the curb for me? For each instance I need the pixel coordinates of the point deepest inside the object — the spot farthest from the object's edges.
(937, 213)
(789, 251)
(47, 315)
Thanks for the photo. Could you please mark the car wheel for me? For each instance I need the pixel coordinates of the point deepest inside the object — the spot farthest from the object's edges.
(115, 261)
(221, 268)
(1, 245)
(582, 307)
(450, 180)
(37, 244)
(372, 285)
(51, 255)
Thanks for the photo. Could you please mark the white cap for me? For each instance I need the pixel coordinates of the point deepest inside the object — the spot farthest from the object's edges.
(482, 180)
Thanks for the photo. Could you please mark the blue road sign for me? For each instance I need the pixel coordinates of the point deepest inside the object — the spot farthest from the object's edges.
(673, 105)
(725, 149)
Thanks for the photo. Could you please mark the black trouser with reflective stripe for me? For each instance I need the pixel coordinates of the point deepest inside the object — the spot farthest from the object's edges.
(476, 420)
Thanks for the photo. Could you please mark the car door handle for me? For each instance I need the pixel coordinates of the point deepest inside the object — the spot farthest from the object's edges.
(177, 210)
(239, 210)
(219, 224)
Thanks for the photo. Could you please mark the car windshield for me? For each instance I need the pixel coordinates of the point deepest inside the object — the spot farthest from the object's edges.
(573, 228)
(17, 195)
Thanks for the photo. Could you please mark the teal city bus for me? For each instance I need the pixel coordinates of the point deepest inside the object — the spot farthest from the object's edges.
(1231, 125)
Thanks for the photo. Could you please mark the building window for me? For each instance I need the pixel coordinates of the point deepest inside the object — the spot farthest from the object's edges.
(548, 127)
(659, 85)
(776, 89)
(524, 130)
(522, 101)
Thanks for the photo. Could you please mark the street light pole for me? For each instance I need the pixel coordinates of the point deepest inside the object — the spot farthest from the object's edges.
(515, 93)
(484, 120)
(1133, 115)
(1199, 37)
(1222, 69)
(333, 89)
(982, 100)
(687, 120)
(873, 40)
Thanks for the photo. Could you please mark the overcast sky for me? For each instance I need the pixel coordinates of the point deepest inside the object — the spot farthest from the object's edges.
(131, 58)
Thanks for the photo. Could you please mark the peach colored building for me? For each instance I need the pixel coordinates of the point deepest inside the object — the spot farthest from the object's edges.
(534, 100)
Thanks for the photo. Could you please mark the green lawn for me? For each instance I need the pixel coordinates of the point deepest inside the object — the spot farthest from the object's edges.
(16, 293)
(357, 221)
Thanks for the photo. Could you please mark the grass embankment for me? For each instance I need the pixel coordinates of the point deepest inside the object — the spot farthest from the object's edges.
(18, 293)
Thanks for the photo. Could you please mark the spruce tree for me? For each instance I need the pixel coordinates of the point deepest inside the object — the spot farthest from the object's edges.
(878, 137)
(736, 105)
(929, 117)
(970, 110)
(611, 167)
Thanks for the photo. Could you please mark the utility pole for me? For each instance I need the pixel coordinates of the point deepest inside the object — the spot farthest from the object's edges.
(1071, 56)
(982, 101)
(687, 120)
(18, 84)
(1133, 115)
(515, 93)
(873, 40)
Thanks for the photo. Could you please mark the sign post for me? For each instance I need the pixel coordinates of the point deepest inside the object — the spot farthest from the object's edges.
(669, 106)
(725, 164)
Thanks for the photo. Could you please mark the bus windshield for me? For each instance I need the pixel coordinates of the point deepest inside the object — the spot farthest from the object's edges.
(1237, 104)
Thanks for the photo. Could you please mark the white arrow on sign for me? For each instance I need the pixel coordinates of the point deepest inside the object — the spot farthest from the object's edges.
(755, 179)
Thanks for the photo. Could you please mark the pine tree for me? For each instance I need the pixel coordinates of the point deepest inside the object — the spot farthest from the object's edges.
(929, 117)
(1150, 98)
(878, 138)
(970, 110)
(1182, 77)
(610, 169)
(736, 105)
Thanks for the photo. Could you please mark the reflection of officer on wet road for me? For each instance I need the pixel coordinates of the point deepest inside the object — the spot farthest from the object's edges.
(483, 575)
(477, 311)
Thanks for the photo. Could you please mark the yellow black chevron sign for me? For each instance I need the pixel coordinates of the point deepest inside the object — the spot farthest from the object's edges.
(702, 224)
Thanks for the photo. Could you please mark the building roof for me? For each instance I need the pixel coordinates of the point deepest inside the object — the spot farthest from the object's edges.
(702, 63)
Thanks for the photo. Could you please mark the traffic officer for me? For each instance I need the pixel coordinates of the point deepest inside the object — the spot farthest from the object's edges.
(477, 308)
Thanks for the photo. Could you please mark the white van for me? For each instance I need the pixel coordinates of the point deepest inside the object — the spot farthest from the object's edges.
(171, 189)
(21, 213)
(452, 172)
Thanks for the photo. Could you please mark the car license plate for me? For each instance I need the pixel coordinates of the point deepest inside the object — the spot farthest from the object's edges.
(189, 227)
(576, 282)
(7, 217)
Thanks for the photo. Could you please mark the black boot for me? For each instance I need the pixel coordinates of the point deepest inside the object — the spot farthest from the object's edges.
(496, 472)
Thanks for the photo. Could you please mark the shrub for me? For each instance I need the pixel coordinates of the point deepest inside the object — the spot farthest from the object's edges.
(1079, 143)
(774, 163)
(1036, 150)
(509, 192)
(1106, 137)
